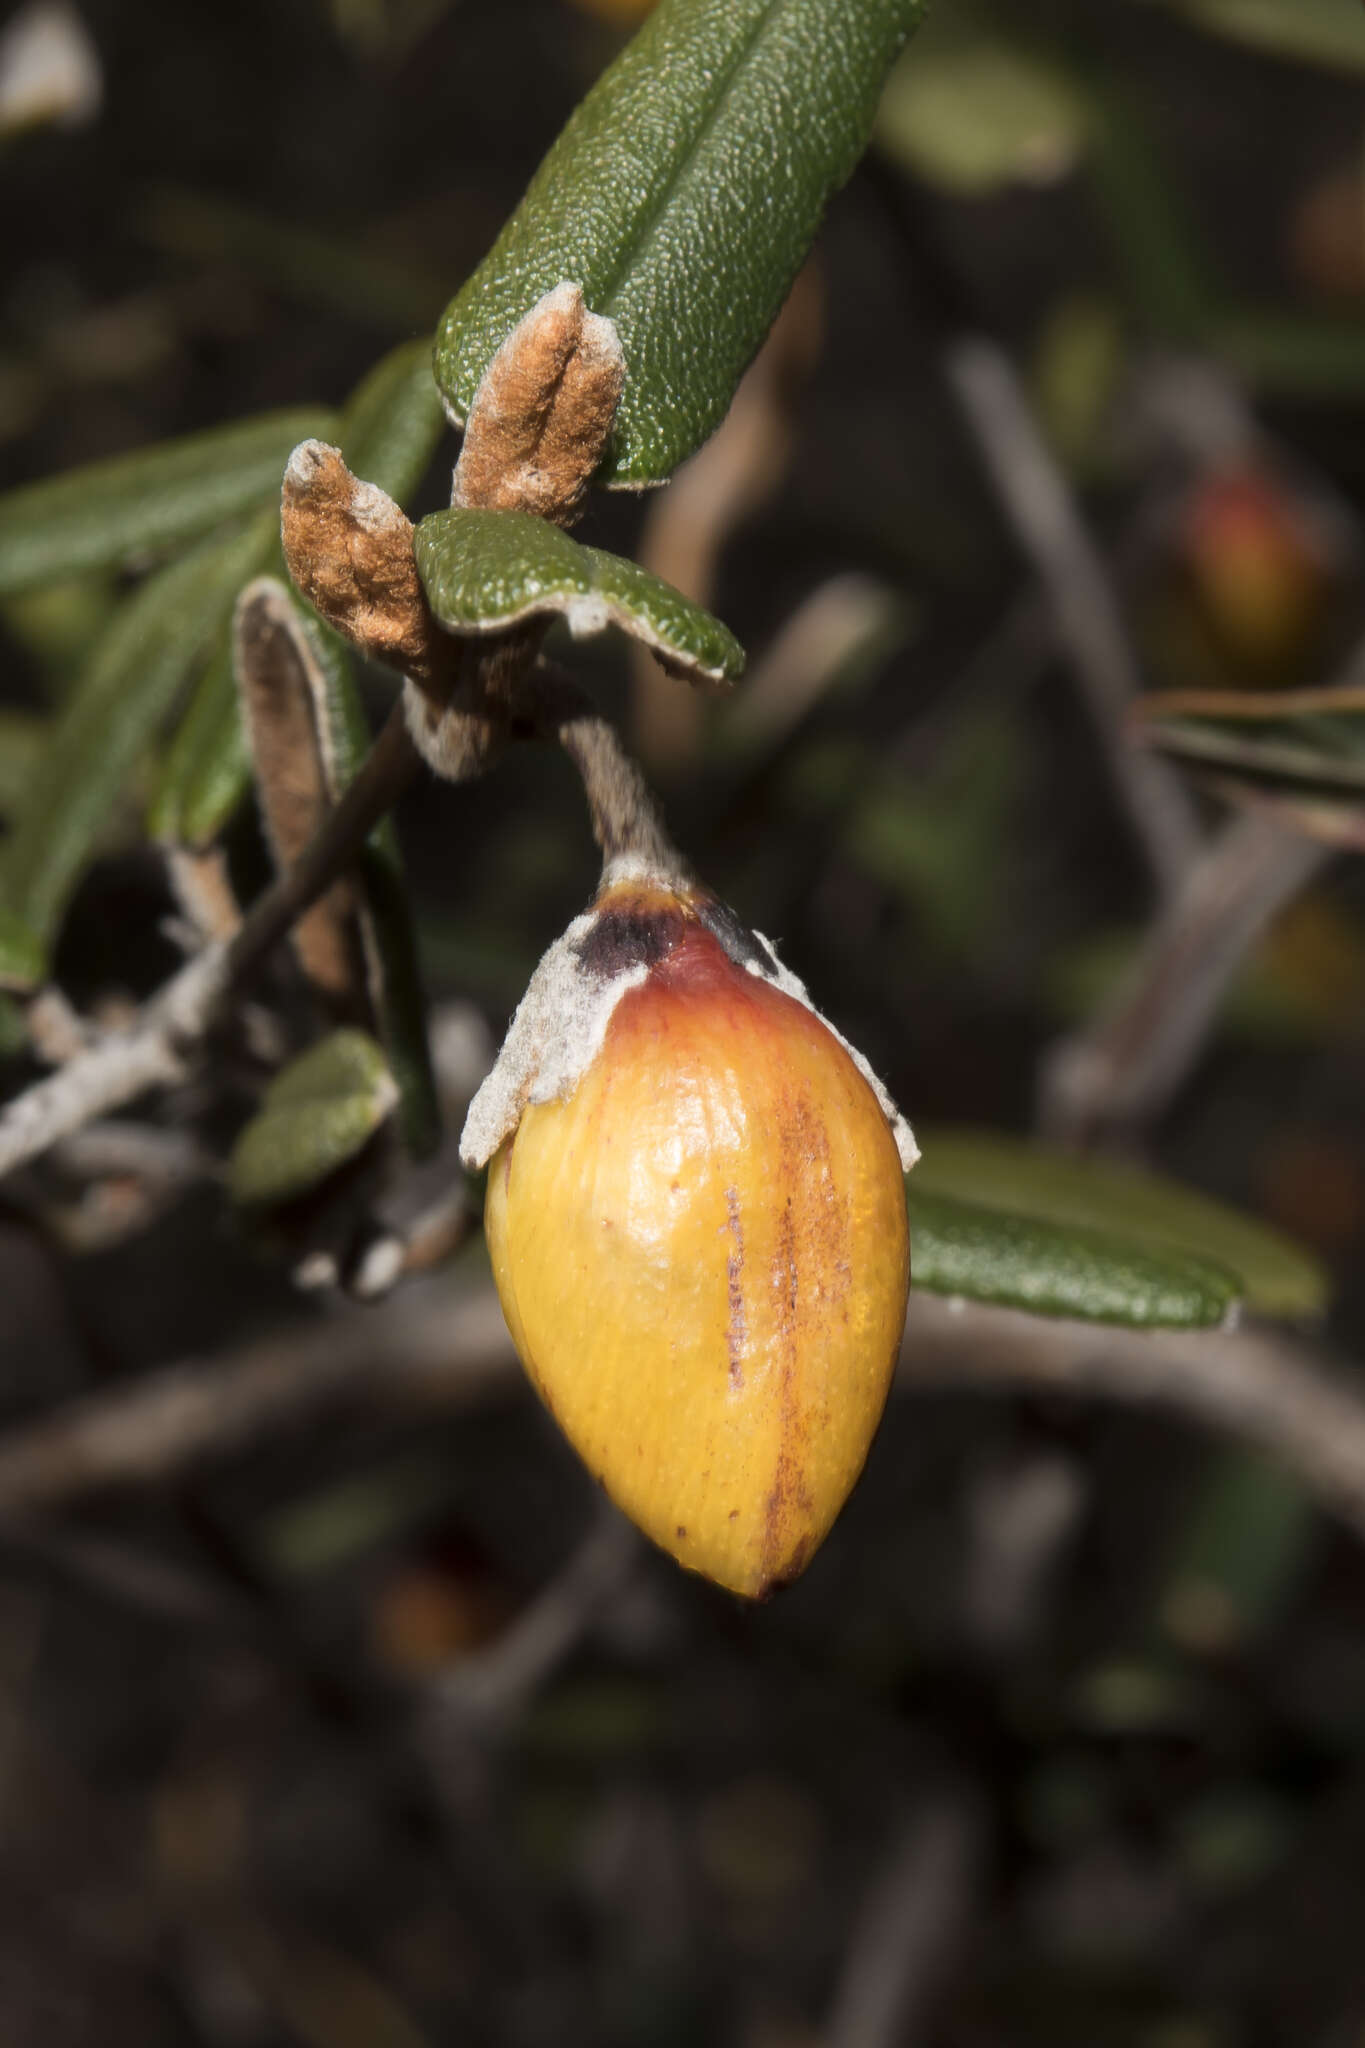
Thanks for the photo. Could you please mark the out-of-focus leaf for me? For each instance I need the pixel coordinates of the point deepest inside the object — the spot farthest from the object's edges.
(318, 1114)
(1021, 1261)
(1234, 1838)
(1146, 1210)
(682, 196)
(59, 623)
(23, 957)
(1179, 290)
(1308, 745)
(335, 272)
(23, 735)
(393, 421)
(1330, 32)
(970, 111)
(117, 511)
(387, 931)
(1240, 1553)
(1077, 366)
(484, 571)
(206, 770)
(155, 644)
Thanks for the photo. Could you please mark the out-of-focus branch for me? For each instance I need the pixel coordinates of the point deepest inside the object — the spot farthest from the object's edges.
(687, 525)
(438, 1335)
(1049, 528)
(440, 1339)
(1260, 1384)
(907, 1928)
(1123, 1068)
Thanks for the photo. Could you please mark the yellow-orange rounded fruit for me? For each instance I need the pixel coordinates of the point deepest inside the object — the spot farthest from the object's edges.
(703, 1257)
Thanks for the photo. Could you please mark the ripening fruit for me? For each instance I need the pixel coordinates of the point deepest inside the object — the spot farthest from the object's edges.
(697, 1228)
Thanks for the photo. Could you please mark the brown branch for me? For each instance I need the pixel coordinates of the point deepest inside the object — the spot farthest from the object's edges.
(1124, 1067)
(440, 1339)
(1052, 534)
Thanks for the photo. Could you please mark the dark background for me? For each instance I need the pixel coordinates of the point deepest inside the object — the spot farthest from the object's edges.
(990, 1763)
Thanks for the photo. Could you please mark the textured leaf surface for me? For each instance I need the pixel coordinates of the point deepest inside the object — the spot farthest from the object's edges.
(1152, 1213)
(154, 646)
(393, 421)
(317, 1114)
(682, 196)
(115, 511)
(482, 571)
(1012, 1261)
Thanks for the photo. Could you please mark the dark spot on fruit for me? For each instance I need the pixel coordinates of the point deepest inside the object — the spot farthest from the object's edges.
(622, 938)
(734, 1514)
(682, 1530)
(744, 947)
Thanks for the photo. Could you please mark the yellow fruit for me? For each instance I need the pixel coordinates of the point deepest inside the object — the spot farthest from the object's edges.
(700, 1243)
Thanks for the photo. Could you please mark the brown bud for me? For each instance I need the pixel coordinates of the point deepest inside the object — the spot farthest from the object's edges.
(349, 550)
(541, 416)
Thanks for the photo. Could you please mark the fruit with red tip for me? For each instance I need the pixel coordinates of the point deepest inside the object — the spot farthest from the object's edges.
(696, 1219)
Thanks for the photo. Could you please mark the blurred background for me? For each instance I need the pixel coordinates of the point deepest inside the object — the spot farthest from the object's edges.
(354, 1722)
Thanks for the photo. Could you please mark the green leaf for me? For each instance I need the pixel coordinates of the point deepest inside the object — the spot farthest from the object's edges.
(1330, 32)
(393, 421)
(23, 957)
(390, 940)
(207, 770)
(1240, 1552)
(982, 1254)
(682, 196)
(1303, 750)
(154, 645)
(971, 112)
(317, 1114)
(484, 571)
(23, 735)
(1151, 1213)
(114, 512)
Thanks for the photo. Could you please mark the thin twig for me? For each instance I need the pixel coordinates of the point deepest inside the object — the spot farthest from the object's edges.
(1049, 528)
(907, 1928)
(1260, 1384)
(435, 1334)
(492, 1687)
(155, 1052)
(1122, 1069)
(442, 1339)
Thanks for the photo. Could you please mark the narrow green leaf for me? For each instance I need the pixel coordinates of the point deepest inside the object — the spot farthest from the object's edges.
(206, 771)
(1330, 32)
(981, 1254)
(23, 957)
(23, 735)
(155, 644)
(393, 421)
(484, 571)
(1149, 1211)
(682, 196)
(317, 1114)
(387, 929)
(116, 511)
